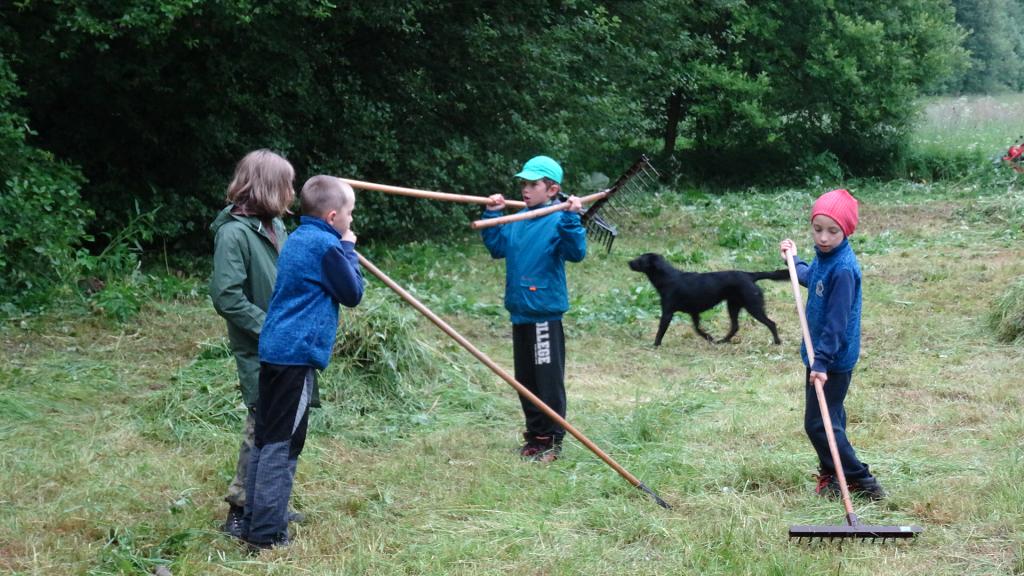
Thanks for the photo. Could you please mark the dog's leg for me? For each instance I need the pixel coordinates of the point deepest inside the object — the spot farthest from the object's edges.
(666, 319)
(763, 318)
(734, 324)
(696, 326)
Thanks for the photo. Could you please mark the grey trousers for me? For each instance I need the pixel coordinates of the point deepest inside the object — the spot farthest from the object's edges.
(282, 415)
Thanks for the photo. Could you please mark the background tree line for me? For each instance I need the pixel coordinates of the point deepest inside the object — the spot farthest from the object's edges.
(133, 112)
(995, 42)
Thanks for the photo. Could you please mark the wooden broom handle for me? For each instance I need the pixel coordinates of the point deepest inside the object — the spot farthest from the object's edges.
(530, 214)
(463, 198)
(533, 399)
(819, 391)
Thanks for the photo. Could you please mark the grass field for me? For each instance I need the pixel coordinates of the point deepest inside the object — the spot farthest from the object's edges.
(117, 441)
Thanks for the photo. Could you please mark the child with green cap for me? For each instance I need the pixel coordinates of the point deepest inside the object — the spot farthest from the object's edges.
(536, 295)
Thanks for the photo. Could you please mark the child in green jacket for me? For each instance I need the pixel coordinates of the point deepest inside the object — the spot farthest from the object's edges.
(248, 235)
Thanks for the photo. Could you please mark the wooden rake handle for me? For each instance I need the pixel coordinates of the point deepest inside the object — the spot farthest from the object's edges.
(530, 214)
(819, 391)
(508, 378)
(462, 198)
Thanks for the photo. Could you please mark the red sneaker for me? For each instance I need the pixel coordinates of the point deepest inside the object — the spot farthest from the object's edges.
(828, 486)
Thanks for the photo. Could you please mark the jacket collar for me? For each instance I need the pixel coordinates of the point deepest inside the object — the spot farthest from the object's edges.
(843, 247)
(318, 223)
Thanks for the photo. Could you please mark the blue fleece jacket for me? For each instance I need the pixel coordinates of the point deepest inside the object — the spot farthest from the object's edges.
(535, 252)
(833, 308)
(315, 272)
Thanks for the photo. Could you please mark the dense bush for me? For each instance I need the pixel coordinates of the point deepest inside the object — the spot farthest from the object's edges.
(157, 99)
(42, 217)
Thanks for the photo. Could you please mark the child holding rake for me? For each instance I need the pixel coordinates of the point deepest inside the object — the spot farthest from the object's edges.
(833, 318)
(536, 296)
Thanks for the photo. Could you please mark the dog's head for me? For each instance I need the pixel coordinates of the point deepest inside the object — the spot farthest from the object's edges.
(649, 263)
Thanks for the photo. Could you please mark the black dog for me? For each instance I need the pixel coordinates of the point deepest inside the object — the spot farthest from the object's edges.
(693, 293)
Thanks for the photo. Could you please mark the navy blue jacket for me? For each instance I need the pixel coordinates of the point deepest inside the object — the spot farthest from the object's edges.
(315, 272)
(833, 308)
(535, 252)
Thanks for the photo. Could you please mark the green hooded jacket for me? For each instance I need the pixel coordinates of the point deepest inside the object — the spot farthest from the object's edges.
(244, 271)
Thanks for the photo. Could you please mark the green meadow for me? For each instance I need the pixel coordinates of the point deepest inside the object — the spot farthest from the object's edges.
(118, 439)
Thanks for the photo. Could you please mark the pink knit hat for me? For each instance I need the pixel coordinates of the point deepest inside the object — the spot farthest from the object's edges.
(840, 206)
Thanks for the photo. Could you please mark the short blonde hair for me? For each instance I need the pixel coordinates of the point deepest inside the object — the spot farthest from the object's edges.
(262, 185)
(321, 194)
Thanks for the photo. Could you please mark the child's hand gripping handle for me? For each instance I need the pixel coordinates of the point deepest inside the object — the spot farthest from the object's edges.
(488, 222)
(851, 517)
(795, 281)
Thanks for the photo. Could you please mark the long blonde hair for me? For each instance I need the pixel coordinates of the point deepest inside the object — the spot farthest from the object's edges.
(262, 185)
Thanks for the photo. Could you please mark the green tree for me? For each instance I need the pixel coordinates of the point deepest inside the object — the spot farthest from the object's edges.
(995, 40)
(156, 100)
(42, 217)
(822, 80)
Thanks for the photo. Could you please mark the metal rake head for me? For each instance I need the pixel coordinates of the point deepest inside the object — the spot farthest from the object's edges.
(863, 532)
(636, 179)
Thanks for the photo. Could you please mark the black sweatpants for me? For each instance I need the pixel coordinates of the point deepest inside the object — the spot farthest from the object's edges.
(539, 352)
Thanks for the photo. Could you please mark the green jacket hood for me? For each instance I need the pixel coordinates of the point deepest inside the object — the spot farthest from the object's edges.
(225, 216)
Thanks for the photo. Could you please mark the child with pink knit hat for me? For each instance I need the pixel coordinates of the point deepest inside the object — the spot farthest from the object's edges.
(833, 279)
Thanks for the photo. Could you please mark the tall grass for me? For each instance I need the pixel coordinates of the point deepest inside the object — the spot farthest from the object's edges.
(1007, 316)
(964, 137)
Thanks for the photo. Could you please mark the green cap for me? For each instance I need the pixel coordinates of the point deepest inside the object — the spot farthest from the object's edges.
(541, 167)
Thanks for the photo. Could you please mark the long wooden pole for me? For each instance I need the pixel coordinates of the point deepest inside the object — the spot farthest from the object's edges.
(508, 378)
(819, 390)
(463, 198)
(530, 214)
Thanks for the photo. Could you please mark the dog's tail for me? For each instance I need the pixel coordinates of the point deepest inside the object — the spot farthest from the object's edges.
(780, 274)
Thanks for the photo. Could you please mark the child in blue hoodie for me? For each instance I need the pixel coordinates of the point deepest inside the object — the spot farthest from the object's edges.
(833, 318)
(318, 269)
(536, 296)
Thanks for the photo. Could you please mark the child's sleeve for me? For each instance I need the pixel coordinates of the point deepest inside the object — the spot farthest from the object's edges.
(572, 237)
(343, 277)
(803, 270)
(494, 237)
(230, 271)
(837, 315)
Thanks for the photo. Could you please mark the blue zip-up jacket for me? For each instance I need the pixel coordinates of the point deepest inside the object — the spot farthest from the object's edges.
(833, 308)
(315, 272)
(535, 252)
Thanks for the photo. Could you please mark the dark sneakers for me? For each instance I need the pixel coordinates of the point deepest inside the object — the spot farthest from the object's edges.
(549, 455)
(540, 448)
(867, 487)
(233, 525)
(257, 547)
